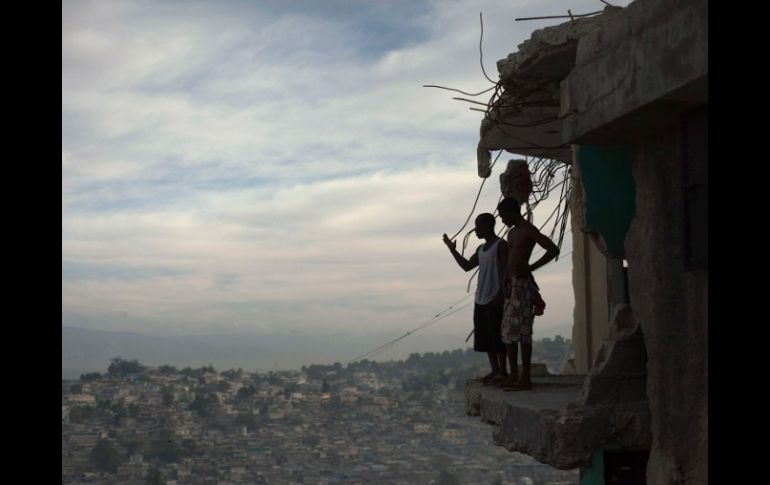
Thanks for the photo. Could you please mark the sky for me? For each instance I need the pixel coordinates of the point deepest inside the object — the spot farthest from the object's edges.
(268, 166)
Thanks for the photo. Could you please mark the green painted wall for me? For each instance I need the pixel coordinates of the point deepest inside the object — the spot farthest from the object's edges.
(594, 475)
(609, 192)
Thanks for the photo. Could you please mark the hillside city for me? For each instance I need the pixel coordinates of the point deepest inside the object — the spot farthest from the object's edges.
(398, 422)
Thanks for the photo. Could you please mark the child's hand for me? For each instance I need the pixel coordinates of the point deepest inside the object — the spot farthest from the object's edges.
(450, 244)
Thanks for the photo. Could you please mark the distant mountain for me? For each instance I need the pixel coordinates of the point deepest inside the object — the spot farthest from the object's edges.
(85, 350)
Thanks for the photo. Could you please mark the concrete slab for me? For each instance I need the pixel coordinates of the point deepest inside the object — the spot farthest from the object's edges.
(549, 424)
(548, 394)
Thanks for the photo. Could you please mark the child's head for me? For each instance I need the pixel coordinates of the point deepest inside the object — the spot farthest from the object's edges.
(485, 225)
(510, 211)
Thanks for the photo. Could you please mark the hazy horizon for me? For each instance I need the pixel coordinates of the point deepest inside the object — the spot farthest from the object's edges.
(91, 350)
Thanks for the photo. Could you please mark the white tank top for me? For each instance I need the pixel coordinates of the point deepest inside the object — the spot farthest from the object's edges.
(489, 278)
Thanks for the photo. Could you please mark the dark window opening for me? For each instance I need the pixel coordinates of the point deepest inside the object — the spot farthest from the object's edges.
(695, 154)
(625, 467)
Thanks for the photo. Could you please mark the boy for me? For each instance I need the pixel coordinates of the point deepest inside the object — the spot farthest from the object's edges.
(522, 296)
(491, 258)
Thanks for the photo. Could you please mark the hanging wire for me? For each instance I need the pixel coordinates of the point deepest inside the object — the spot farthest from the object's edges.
(439, 316)
(481, 53)
(481, 62)
(542, 174)
(458, 90)
(570, 16)
(477, 197)
(542, 171)
(499, 126)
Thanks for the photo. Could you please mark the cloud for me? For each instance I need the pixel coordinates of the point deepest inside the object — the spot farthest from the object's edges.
(319, 256)
(278, 166)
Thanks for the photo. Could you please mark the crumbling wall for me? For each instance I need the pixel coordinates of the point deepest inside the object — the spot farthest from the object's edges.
(644, 55)
(618, 373)
(589, 283)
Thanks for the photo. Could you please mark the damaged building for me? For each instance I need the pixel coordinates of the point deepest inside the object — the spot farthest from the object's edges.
(622, 98)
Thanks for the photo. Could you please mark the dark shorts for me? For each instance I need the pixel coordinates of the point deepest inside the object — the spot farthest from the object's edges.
(486, 328)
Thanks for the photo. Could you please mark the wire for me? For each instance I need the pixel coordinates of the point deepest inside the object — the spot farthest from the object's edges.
(543, 172)
(440, 315)
(477, 196)
(531, 124)
(481, 53)
(481, 62)
(470, 280)
(470, 101)
(457, 90)
(413, 331)
(533, 145)
(560, 16)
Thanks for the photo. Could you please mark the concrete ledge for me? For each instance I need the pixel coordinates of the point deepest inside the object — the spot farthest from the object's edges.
(548, 424)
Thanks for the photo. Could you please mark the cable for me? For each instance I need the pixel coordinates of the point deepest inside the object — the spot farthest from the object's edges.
(481, 62)
(457, 90)
(560, 16)
(533, 145)
(477, 196)
(426, 323)
(481, 53)
(470, 101)
(470, 280)
(438, 317)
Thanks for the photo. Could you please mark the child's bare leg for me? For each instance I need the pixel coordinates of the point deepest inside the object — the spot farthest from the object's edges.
(513, 356)
(495, 368)
(503, 366)
(526, 364)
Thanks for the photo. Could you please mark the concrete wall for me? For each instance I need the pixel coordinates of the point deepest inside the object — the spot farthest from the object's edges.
(632, 83)
(656, 52)
(671, 305)
(633, 80)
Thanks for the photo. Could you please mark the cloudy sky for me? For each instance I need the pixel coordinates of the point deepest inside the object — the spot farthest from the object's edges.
(276, 166)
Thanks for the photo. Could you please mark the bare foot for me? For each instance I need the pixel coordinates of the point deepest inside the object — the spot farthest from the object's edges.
(520, 386)
(497, 379)
(508, 381)
(485, 380)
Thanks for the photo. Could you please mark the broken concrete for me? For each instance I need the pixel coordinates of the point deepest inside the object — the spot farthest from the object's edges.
(637, 73)
(618, 373)
(549, 54)
(547, 423)
(516, 181)
(565, 419)
(525, 117)
(633, 77)
(631, 84)
(483, 158)
(568, 368)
